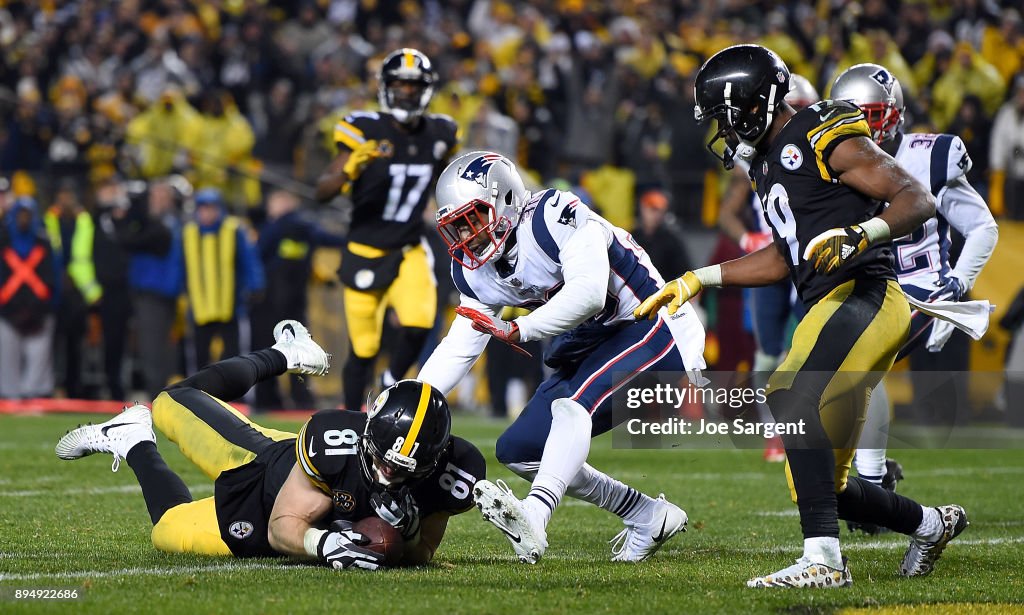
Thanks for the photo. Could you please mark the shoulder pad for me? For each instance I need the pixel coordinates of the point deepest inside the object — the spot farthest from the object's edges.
(352, 130)
(326, 444)
(829, 123)
(557, 216)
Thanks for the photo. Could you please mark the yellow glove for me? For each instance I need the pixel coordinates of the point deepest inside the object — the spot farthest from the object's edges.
(829, 250)
(673, 294)
(360, 157)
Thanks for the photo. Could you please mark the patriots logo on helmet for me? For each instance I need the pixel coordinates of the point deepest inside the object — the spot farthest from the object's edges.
(478, 167)
(883, 77)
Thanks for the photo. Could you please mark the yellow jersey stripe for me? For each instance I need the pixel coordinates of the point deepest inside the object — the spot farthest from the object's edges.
(818, 131)
(307, 464)
(348, 135)
(855, 126)
(417, 421)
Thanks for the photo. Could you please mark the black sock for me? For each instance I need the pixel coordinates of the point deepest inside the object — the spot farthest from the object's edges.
(811, 462)
(230, 379)
(407, 350)
(354, 377)
(866, 502)
(161, 487)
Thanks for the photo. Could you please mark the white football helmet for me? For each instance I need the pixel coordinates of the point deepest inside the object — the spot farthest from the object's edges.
(480, 199)
(801, 92)
(878, 94)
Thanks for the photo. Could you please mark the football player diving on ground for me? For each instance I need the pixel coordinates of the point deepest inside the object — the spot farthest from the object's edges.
(582, 277)
(279, 493)
(387, 162)
(822, 182)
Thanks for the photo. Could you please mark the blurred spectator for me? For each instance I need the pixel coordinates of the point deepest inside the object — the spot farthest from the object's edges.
(28, 132)
(1006, 156)
(160, 135)
(65, 220)
(286, 245)
(99, 268)
(277, 120)
(152, 235)
(965, 73)
(223, 275)
(1002, 45)
(658, 234)
(493, 131)
(28, 288)
(688, 162)
(221, 151)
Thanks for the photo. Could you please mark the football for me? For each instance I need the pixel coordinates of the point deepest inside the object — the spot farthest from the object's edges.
(384, 539)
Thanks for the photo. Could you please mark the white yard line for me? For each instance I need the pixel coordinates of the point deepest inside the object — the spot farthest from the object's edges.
(150, 572)
(31, 493)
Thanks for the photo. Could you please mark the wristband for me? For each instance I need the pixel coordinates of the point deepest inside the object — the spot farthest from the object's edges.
(311, 541)
(876, 230)
(710, 277)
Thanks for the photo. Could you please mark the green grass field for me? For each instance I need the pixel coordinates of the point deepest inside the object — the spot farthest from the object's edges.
(77, 525)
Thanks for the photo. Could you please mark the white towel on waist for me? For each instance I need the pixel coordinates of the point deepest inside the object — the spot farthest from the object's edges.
(971, 317)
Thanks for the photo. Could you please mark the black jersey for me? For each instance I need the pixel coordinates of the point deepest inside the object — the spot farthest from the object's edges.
(392, 191)
(328, 452)
(801, 197)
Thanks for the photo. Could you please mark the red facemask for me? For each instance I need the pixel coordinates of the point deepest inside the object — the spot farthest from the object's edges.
(883, 119)
(473, 233)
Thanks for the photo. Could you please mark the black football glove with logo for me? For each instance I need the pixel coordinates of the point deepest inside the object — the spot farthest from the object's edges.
(341, 548)
(400, 510)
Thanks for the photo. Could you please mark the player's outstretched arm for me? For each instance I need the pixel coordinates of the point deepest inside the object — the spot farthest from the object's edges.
(299, 505)
(432, 531)
(760, 268)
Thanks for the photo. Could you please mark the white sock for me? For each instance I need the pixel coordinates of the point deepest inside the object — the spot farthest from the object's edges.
(931, 526)
(565, 452)
(595, 487)
(870, 462)
(824, 550)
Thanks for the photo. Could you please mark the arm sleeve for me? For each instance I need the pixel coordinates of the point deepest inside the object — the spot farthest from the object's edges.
(585, 268)
(457, 352)
(961, 204)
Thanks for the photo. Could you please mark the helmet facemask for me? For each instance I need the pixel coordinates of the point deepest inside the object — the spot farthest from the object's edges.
(474, 233)
(884, 119)
(739, 130)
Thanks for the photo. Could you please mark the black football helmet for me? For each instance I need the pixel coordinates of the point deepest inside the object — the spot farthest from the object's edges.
(406, 66)
(741, 88)
(408, 428)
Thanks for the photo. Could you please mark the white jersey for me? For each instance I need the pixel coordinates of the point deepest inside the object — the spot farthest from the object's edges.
(940, 162)
(574, 269)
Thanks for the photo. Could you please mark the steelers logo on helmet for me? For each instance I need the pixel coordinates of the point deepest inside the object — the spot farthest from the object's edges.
(406, 435)
(378, 403)
(405, 84)
(791, 157)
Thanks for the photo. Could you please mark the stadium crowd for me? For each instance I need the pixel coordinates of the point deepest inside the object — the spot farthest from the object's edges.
(121, 122)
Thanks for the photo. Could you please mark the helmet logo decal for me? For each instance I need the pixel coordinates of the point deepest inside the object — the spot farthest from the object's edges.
(883, 78)
(781, 76)
(791, 157)
(478, 168)
(378, 404)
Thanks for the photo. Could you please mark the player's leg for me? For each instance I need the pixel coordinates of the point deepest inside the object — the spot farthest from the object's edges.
(364, 318)
(211, 433)
(771, 311)
(413, 296)
(822, 342)
(190, 528)
(130, 436)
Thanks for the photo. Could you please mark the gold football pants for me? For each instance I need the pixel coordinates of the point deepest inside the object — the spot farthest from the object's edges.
(841, 350)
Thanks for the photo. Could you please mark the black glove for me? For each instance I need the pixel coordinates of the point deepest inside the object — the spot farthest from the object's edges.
(949, 288)
(341, 548)
(400, 510)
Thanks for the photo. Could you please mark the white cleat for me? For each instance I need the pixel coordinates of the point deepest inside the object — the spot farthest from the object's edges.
(920, 557)
(805, 573)
(501, 508)
(639, 541)
(116, 436)
(304, 355)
